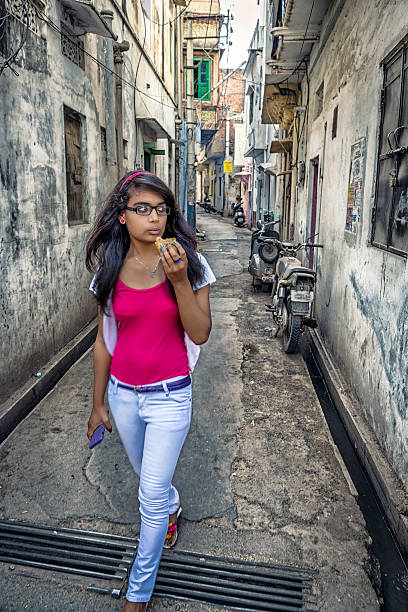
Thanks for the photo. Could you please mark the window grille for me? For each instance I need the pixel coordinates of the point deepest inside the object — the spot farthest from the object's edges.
(390, 211)
(72, 47)
(20, 9)
(74, 167)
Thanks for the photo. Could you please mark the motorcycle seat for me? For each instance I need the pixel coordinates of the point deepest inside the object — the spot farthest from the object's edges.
(298, 270)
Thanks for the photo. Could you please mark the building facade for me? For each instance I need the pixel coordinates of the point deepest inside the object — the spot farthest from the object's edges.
(92, 94)
(262, 162)
(220, 160)
(349, 160)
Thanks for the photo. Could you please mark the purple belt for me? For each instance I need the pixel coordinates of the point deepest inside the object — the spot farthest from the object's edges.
(174, 385)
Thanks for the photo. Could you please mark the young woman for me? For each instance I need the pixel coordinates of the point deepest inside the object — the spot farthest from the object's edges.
(153, 312)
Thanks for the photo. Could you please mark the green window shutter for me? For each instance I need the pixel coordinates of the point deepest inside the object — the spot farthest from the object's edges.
(202, 79)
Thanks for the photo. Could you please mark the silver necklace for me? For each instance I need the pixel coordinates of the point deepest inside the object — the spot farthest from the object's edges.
(152, 272)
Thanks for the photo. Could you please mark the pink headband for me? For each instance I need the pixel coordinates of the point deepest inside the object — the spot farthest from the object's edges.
(132, 175)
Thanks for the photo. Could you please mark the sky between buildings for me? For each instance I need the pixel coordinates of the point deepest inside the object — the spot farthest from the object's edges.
(245, 16)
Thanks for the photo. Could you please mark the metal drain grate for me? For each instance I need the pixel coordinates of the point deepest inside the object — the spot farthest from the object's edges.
(88, 553)
(232, 583)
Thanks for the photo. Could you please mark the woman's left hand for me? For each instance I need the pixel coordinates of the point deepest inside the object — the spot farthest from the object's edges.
(175, 263)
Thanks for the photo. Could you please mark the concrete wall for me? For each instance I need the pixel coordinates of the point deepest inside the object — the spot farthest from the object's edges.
(362, 295)
(44, 284)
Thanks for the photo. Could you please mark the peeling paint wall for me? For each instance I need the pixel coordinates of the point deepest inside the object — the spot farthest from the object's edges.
(362, 294)
(44, 297)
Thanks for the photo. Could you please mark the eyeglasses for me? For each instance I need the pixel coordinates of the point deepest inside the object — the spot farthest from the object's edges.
(145, 210)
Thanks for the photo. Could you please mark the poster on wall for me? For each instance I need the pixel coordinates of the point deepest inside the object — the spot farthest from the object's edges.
(355, 185)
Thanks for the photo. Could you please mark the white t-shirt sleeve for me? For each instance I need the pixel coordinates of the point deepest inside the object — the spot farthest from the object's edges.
(208, 274)
(92, 286)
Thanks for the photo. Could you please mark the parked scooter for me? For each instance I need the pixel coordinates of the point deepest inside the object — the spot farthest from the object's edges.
(239, 214)
(292, 294)
(207, 205)
(209, 208)
(264, 254)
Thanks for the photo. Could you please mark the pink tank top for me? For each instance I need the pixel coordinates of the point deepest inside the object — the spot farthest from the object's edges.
(150, 345)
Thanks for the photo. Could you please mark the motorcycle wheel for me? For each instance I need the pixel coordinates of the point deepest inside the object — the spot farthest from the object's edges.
(292, 333)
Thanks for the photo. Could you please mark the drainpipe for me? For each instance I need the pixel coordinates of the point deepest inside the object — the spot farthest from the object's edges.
(162, 44)
(118, 49)
(294, 178)
(109, 93)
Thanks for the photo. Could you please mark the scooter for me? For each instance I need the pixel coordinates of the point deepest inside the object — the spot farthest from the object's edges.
(209, 208)
(239, 215)
(264, 254)
(293, 294)
(207, 205)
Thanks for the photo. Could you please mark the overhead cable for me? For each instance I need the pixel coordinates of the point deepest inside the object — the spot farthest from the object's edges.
(101, 64)
(25, 19)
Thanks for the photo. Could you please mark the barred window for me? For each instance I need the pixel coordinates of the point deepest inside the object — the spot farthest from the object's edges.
(390, 212)
(72, 46)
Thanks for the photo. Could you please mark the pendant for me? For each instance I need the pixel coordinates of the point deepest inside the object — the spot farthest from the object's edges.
(153, 273)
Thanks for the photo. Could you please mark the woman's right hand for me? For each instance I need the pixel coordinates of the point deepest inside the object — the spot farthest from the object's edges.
(98, 416)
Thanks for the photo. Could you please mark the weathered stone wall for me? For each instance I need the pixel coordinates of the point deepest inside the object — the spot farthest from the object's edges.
(362, 295)
(44, 299)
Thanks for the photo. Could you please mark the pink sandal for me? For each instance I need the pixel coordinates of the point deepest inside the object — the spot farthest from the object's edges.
(172, 529)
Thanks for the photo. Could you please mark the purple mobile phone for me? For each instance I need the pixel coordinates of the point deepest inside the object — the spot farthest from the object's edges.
(97, 435)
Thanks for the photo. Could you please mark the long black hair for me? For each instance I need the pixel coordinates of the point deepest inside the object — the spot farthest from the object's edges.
(109, 240)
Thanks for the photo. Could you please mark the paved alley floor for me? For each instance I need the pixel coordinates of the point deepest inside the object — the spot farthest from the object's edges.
(259, 476)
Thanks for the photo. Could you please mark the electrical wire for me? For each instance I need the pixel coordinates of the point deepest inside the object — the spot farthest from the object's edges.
(198, 64)
(286, 79)
(25, 19)
(134, 85)
(208, 23)
(99, 63)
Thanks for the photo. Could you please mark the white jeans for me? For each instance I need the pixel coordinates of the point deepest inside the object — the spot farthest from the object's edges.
(152, 427)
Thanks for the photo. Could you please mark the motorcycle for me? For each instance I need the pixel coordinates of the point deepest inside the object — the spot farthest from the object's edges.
(239, 215)
(264, 254)
(293, 294)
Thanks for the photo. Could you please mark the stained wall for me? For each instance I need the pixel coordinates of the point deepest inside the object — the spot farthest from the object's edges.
(44, 298)
(362, 291)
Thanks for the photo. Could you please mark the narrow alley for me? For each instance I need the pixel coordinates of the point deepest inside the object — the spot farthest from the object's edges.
(259, 476)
